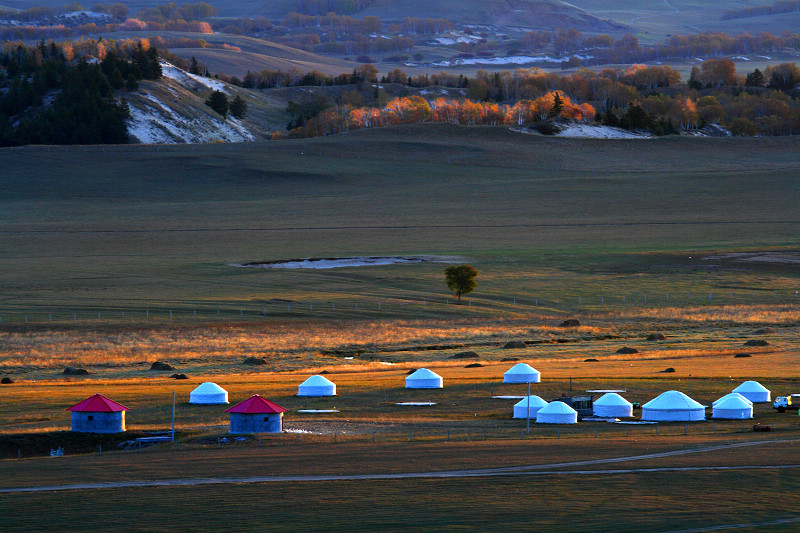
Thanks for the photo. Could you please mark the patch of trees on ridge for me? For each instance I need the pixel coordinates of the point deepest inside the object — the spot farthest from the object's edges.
(52, 94)
(783, 6)
(653, 99)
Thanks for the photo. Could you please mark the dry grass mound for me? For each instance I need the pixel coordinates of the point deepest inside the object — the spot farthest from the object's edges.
(756, 342)
(656, 337)
(511, 345)
(72, 371)
(465, 355)
(627, 350)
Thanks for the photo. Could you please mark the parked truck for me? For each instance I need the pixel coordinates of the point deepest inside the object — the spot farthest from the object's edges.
(787, 403)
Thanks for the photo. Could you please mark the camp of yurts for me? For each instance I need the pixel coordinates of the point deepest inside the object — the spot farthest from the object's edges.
(208, 393)
(612, 404)
(317, 386)
(528, 406)
(731, 395)
(522, 373)
(673, 406)
(753, 391)
(732, 407)
(557, 413)
(424, 379)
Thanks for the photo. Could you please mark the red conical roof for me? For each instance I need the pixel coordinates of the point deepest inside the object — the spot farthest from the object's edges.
(255, 404)
(98, 403)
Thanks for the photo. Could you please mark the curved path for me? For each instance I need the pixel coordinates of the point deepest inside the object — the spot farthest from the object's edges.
(528, 470)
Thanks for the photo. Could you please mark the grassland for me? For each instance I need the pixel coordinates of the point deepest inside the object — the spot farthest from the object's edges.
(557, 228)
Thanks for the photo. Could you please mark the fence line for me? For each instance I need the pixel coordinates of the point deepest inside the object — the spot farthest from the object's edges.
(433, 304)
(537, 432)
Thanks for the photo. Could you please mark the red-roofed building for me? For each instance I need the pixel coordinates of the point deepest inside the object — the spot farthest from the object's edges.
(256, 415)
(98, 414)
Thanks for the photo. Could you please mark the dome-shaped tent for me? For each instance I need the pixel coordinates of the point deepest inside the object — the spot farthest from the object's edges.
(673, 406)
(522, 373)
(613, 405)
(208, 393)
(424, 379)
(317, 386)
(753, 391)
(731, 395)
(733, 407)
(557, 413)
(524, 406)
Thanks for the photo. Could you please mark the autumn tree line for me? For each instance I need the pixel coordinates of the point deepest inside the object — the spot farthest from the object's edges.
(653, 99)
(80, 108)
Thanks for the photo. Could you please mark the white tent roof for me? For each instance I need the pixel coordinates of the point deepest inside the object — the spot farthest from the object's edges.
(522, 368)
(522, 373)
(672, 400)
(731, 394)
(536, 402)
(208, 392)
(557, 408)
(751, 386)
(317, 381)
(733, 402)
(612, 398)
(424, 373)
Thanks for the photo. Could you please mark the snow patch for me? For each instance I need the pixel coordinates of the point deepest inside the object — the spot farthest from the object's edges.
(339, 262)
(588, 131)
(154, 122)
(506, 60)
(191, 81)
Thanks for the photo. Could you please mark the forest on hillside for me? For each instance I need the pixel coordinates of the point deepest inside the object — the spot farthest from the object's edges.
(653, 99)
(62, 94)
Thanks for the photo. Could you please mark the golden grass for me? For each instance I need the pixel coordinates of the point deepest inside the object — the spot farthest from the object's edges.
(121, 346)
(741, 314)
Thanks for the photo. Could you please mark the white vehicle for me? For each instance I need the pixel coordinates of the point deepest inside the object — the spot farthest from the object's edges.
(787, 403)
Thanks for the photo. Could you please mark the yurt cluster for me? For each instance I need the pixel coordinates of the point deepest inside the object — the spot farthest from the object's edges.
(669, 406)
(98, 414)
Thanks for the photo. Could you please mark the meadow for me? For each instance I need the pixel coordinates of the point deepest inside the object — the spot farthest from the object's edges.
(114, 257)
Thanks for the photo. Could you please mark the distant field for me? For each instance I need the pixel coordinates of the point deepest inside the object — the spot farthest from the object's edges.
(157, 227)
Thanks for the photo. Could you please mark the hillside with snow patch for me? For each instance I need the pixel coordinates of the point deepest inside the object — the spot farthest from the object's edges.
(172, 110)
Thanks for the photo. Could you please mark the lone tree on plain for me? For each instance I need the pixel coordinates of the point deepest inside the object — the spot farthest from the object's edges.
(460, 279)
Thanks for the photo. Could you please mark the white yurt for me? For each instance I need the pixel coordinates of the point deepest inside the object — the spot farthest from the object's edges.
(673, 406)
(612, 404)
(424, 379)
(753, 391)
(732, 406)
(522, 373)
(317, 386)
(524, 406)
(208, 393)
(557, 413)
(731, 395)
